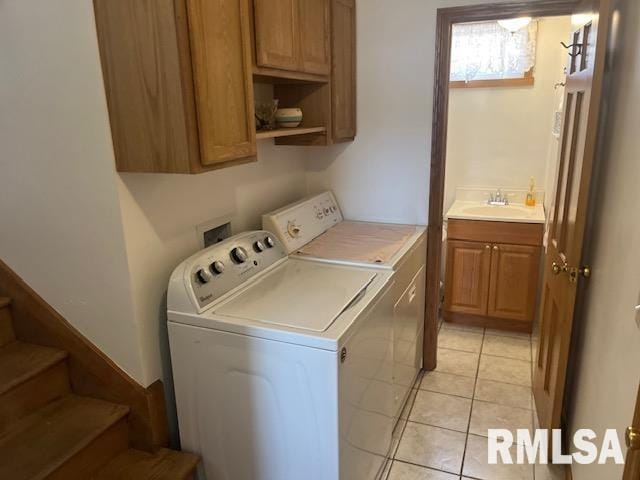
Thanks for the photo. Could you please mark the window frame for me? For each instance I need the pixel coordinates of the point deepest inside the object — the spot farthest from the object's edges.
(525, 81)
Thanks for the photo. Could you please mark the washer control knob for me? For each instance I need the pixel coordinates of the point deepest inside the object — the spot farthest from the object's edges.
(203, 276)
(293, 230)
(269, 242)
(217, 267)
(259, 246)
(239, 254)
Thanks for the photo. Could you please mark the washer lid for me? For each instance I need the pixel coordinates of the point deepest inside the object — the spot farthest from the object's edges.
(299, 294)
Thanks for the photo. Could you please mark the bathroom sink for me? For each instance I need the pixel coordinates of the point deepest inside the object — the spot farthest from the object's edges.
(465, 210)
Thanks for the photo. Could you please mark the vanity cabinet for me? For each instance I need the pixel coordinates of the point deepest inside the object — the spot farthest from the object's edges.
(492, 272)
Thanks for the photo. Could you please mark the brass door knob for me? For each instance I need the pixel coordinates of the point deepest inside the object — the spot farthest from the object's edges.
(632, 438)
(557, 269)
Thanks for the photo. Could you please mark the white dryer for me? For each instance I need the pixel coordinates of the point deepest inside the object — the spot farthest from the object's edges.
(314, 229)
(281, 365)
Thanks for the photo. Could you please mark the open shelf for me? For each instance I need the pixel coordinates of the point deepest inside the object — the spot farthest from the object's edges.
(288, 132)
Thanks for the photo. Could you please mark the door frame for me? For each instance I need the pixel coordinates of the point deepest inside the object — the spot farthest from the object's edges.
(446, 17)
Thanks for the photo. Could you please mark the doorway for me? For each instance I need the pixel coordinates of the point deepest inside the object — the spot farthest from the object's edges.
(495, 258)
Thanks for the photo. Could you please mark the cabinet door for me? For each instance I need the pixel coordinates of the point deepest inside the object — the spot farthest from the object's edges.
(222, 76)
(277, 33)
(467, 277)
(343, 80)
(314, 36)
(514, 281)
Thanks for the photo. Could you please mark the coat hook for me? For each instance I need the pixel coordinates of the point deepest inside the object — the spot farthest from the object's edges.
(577, 46)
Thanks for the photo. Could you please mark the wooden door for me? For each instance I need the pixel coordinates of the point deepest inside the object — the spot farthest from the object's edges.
(513, 281)
(223, 79)
(467, 277)
(632, 462)
(315, 48)
(277, 33)
(343, 79)
(569, 213)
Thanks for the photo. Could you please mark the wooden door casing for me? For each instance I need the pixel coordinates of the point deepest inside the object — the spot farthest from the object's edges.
(315, 47)
(343, 78)
(277, 33)
(569, 212)
(513, 282)
(467, 277)
(223, 79)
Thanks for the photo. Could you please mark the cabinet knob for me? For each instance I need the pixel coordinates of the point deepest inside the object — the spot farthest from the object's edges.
(495, 247)
(487, 247)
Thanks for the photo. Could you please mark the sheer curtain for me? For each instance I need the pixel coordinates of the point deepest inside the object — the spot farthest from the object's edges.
(487, 51)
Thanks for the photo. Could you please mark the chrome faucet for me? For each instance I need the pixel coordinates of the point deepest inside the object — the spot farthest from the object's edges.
(498, 198)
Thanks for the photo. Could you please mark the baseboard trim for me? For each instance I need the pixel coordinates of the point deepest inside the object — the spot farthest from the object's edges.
(91, 372)
(488, 322)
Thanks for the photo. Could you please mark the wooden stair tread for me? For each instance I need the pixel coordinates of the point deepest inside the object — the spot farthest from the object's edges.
(37, 445)
(21, 361)
(4, 302)
(164, 464)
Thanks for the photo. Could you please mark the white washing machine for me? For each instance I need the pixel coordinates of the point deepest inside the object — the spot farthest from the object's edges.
(280, 363)
(314, 229)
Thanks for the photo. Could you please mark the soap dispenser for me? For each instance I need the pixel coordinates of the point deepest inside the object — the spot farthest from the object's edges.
(531, 194)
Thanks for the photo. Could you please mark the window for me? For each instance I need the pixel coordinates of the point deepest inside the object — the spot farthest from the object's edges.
(487, 54)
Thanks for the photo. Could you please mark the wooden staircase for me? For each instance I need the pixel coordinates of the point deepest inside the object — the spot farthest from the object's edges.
(48, 432)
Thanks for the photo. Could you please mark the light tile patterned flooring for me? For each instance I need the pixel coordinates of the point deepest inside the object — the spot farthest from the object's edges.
(483, 381)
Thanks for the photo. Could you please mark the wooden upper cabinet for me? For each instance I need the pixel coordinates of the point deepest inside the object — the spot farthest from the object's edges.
(178, 82)
(277, 33)
(467, 277)
(223, 79)
(293, 35)
(315, 49)
(514, 281)
(343, 80)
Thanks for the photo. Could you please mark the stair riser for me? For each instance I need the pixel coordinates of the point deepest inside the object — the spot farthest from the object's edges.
(94, 456)
(34, 393)
(6, 326)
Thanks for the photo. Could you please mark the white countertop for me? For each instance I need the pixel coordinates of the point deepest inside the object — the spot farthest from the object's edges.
(515, 212)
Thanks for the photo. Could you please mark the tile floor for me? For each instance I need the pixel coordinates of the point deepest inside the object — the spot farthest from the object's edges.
(483, 381)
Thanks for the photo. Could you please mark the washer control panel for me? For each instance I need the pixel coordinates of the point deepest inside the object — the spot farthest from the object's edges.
(217, 270)
(297, 224)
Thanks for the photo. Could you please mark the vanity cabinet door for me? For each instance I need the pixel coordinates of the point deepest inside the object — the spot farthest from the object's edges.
(315, 49)
(467, 277)
(277, 33)
(514, 281)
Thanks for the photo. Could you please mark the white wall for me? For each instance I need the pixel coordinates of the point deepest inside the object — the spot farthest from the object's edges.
(98, 246)
(500, 137)
(61, 227)
(160, 213)
(608, 362)
(384, 174)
